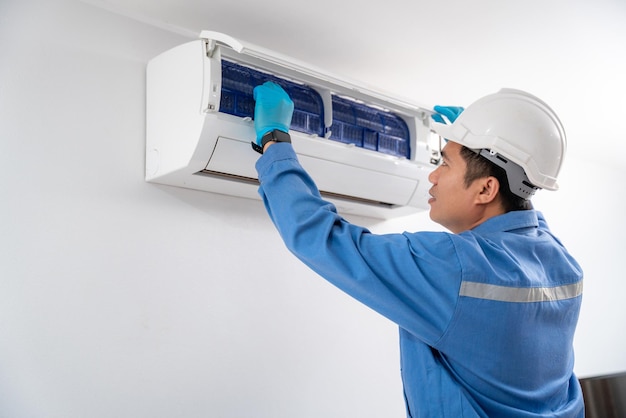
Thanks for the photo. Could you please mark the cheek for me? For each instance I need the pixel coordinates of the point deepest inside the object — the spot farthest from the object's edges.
(454, 192)
(452, 184)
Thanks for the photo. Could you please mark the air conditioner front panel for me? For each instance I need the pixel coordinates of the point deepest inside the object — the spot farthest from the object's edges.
(358, 182)
(232, 157)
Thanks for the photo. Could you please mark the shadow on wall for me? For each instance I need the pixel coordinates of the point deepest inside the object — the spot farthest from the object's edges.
(238, 207)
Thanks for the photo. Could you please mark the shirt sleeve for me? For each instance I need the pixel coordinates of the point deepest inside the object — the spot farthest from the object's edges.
(412, 279)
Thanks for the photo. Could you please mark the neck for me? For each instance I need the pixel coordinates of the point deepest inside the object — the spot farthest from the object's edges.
(483, 214)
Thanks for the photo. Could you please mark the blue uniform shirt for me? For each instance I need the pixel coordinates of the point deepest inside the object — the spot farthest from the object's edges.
(486, 317)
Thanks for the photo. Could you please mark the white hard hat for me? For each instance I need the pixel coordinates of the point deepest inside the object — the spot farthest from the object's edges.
(517, 126)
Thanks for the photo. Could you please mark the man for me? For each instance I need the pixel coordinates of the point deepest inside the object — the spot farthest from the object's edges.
(486, 313)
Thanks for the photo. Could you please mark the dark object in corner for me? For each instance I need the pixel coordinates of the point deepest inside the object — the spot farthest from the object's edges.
(605, 396)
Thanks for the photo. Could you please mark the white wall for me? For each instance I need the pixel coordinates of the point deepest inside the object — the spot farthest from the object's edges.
(120, 298)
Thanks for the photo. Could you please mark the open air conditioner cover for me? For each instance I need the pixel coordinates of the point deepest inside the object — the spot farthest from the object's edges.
(368, 152)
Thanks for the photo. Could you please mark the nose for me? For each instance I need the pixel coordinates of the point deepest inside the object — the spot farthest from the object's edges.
(432, 177)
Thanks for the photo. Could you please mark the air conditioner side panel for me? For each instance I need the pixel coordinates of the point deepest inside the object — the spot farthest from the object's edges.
(173, 116)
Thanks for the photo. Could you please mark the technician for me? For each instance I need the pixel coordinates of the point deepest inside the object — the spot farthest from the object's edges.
(487, 312)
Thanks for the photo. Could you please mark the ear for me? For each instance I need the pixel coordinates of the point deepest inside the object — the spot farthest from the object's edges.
(488, 190)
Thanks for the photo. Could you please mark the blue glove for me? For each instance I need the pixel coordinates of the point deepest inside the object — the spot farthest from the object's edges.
(450, 112)
(273, 109)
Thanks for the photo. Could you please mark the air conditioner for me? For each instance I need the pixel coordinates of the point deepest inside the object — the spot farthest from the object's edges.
(368, 152)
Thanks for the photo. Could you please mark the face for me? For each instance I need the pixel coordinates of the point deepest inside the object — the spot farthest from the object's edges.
(452, 204)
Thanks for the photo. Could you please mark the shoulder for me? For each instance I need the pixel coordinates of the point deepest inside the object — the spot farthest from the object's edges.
(435, 248)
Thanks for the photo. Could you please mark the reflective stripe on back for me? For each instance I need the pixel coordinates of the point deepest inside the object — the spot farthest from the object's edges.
(520, 294)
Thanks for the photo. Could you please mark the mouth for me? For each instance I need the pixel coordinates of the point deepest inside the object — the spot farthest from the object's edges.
(432, 197)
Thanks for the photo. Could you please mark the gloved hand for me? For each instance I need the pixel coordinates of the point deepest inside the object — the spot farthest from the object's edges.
(450, 112)
(273, 109)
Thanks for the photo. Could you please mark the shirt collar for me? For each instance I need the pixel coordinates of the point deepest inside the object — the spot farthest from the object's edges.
(509, 221)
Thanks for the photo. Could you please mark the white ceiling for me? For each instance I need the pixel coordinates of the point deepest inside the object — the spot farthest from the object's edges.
(569, 53)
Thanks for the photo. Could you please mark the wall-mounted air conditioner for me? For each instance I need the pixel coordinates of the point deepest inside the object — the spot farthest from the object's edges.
(368, 153)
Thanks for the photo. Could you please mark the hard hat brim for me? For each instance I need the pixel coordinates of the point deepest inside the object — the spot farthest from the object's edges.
(444, 131)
